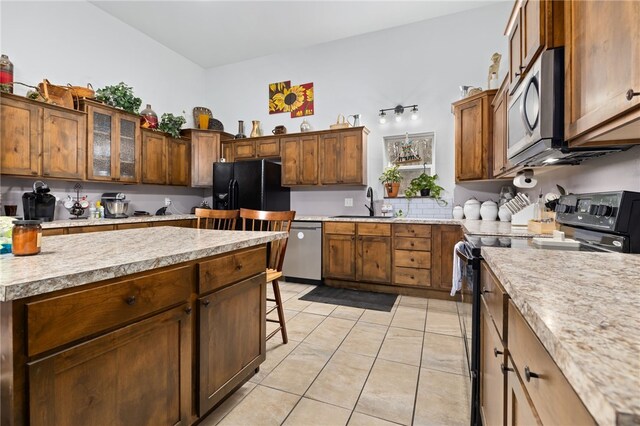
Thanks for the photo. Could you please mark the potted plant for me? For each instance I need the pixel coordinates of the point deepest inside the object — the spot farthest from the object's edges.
(119, 96)
(391, 178)
(426, 186)
(171, 124)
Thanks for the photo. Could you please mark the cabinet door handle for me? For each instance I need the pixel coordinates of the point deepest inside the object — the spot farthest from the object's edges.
(518, 74)
(496, 352)
(528, 374)
(521, 68)
(34, 173)
(46, 174)
(631, 94)
(205, 302)
(484, 290)
(504, 369)
(131, 300)
(353, 238)
(188, 310)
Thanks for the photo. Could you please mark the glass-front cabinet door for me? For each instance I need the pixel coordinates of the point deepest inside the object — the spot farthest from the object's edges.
(114, 144)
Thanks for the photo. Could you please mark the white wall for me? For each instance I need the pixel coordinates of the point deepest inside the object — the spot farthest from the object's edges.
(422, 63)
(75, 42)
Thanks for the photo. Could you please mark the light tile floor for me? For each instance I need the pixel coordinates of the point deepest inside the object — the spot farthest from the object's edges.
(350, 366)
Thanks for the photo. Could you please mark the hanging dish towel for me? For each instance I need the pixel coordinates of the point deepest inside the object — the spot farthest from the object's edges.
(456, 285)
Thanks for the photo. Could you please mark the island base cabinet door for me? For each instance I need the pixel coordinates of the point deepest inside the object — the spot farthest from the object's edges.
(520, 411)
(492, 381)
(374, 259)
(231, 338)
(138, 375)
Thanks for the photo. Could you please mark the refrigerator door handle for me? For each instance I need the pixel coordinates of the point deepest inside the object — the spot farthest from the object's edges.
(233, 194)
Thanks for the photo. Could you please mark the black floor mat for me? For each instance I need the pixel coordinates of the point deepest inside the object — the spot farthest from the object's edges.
(353, 298)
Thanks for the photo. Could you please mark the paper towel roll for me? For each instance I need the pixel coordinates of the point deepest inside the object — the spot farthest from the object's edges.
(522, 181)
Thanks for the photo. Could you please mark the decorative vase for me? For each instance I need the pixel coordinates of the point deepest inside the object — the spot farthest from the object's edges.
(6, 74)
(305, 126)
(425, 192)
(203, 121)
(255, 130)
(148, 118)
(458, 213)
(392, 189)
(472, 209)
(240, 134)
(489, 210)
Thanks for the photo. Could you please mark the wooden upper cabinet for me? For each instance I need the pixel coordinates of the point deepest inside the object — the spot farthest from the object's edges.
(205, 150)
(244, 149)
(532, 30)
(114, 143)
(515, 52)
(154, 157)
(500, 135)
(38, 139)
(226, 151)
(179, 161)
(299, 160)
(268, 147)
(64, 144)
(602, 63)
(473, 136)
(343, 157)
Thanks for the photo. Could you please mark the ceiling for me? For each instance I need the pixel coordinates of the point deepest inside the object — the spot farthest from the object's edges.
(214, 33)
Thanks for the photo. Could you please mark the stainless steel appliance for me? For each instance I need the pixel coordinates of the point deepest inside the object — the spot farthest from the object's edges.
(536, 118)
(601, 222)
(303, 262)
(115, 205)
(39, 204)
(249, 184)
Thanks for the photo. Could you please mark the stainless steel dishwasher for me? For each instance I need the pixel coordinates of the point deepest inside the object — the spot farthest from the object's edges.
(303, 260)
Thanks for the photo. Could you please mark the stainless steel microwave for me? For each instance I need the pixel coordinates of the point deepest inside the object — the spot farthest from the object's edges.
(536, 110)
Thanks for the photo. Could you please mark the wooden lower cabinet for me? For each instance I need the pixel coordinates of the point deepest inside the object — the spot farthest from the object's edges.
(374, 259)
(443, 240)
(520, 410)
(230, 345)
(492, 378)
(339, 254)
(140, 374)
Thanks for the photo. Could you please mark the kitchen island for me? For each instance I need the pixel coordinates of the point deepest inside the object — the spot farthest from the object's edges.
(142, 326)
(579, 309)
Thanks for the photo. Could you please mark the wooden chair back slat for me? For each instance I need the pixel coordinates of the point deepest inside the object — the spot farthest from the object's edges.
(217, 219)
(260, 220)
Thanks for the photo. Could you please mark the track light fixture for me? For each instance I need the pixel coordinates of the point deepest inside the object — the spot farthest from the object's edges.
(398, 112)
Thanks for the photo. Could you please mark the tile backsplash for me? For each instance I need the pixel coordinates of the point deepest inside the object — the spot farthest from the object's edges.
(419, 207)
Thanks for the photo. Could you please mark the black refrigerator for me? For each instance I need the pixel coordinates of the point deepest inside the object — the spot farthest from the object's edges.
(253, 184)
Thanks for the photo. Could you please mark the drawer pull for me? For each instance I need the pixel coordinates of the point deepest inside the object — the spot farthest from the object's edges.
(131, 300)
(205, 303)
(496, 352)
(504, 369)
(412, 259)
(188, 310)
(239, 267)
(528, 374)
(484, 290)
(631, 94)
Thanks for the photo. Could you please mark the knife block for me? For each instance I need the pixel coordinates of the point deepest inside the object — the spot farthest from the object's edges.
(523, 217)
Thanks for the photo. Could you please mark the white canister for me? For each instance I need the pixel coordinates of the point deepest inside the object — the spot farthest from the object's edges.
(504, 214)
(489, 210)
(472, 209)
(458, 213)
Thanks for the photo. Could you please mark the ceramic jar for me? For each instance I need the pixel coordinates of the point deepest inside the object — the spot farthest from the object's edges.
(489, 210)
(504, 214)
(472, 209)
(305, 126)
(148, 118)
(458, 213)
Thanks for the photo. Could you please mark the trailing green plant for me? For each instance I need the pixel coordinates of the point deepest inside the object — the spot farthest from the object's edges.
(171, 124)
(425, 181)
(391, 174)
(119, 96)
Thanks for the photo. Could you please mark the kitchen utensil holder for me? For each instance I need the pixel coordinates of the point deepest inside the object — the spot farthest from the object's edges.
(523, 216)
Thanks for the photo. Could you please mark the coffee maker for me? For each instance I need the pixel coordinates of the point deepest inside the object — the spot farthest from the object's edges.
(39, 204)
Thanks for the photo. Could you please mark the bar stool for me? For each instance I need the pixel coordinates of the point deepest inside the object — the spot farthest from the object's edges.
(258, 220)
(217, 219)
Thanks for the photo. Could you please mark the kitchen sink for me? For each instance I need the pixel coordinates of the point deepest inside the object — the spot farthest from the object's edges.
(348, 216)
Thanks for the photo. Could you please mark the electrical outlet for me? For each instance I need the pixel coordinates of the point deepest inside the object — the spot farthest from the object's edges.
(167, 202)
(348, 202)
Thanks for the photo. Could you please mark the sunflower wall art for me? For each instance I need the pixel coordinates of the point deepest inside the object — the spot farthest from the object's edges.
(297, 100)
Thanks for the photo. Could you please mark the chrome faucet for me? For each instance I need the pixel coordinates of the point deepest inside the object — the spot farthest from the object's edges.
(370, 196)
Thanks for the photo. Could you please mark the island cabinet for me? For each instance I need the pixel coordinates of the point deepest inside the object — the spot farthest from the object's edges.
(520, 384)
(39, 139)
(473, 136)
(165, 160)
(299, 160)
(205, 150)
(359, 252)
(161, 347)
(232, 338)
(182, 223)
(113, 143)
(602, 78)
(343, 157)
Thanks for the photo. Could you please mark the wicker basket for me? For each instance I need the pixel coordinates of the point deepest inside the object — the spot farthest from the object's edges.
(82, 92)
(341, 123)
(56, 95)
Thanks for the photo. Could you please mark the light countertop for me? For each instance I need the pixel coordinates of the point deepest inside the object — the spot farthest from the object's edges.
(72, 260)
(585, 309)
(68, 223)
